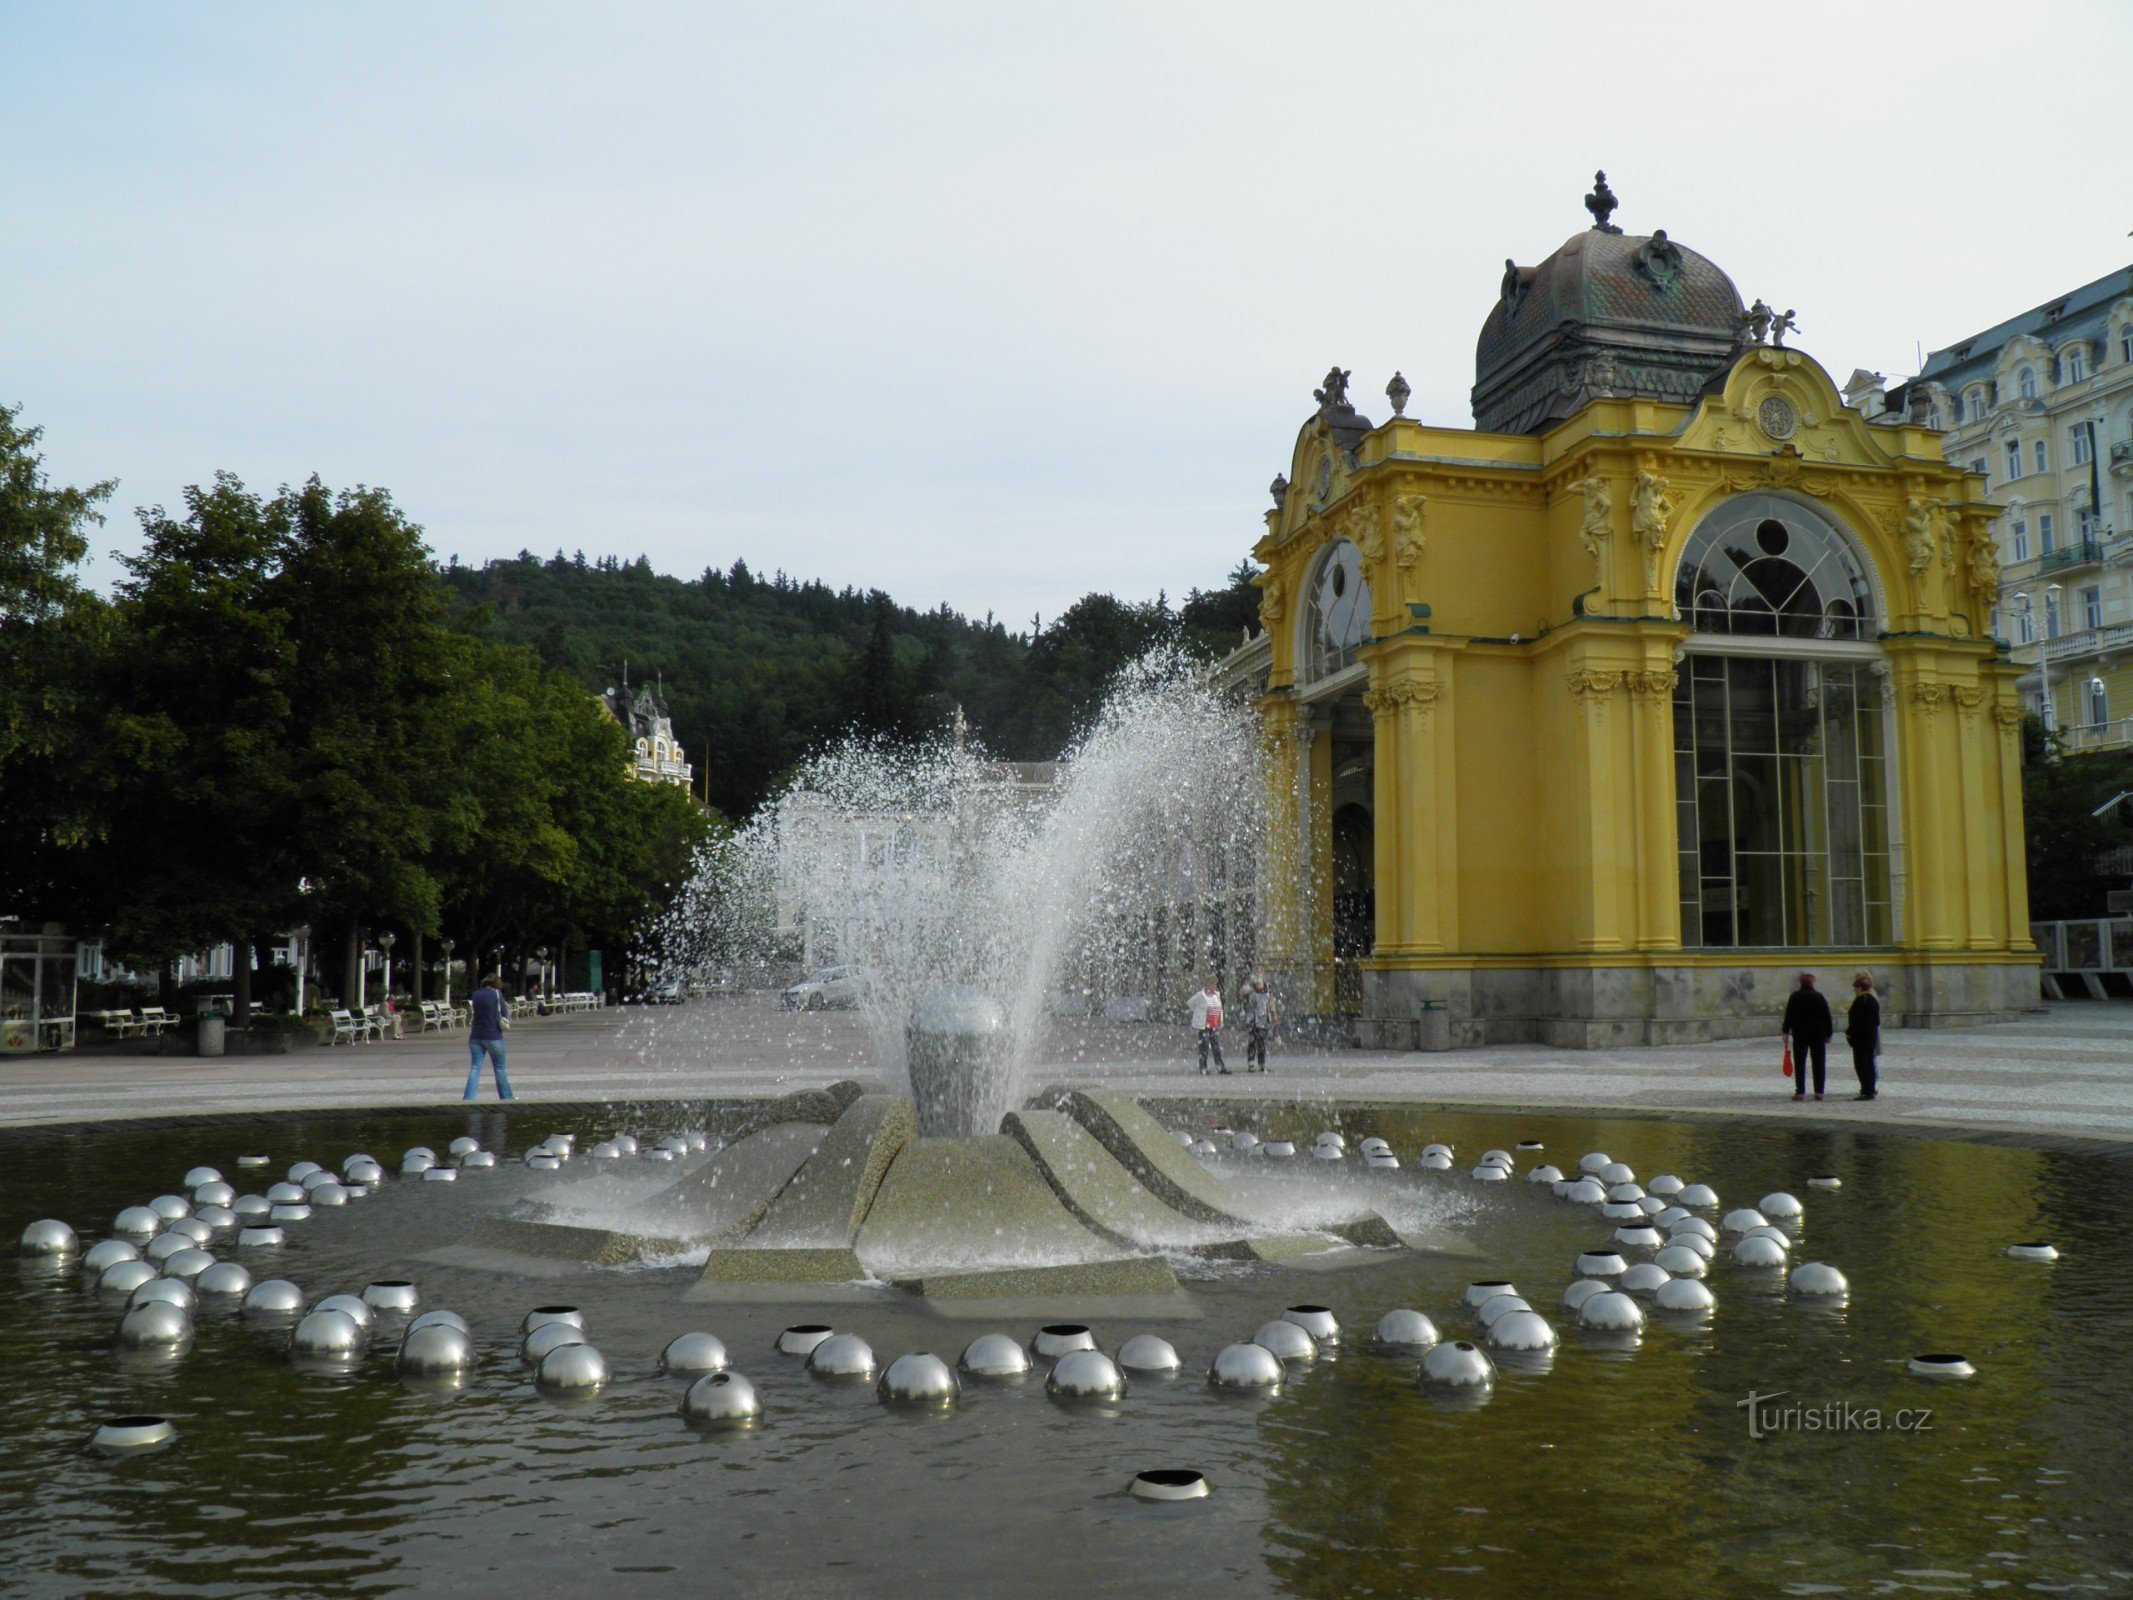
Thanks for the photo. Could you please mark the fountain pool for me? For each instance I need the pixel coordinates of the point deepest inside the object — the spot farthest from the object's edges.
(1613, 1470)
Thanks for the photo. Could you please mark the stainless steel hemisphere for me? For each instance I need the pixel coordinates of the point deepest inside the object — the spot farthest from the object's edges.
(801, 1338)
(1612, 1312)
(1625, 1191)
(842, 1355)
(450, 1319)
(165, 1245)
(1666, 1184)
(1594, 1161)
(1482, 1290)
(477, 1161)
(1760, 1252)
(47, 1238)
(1741, 1219)
(108, 1253)
(290, 1214)
(1382, 1161)
(214, 1192)
(1085, 1375)
(626, 1144)
(253, 1163)
(1679, 1261)
(413, 1165)
(301, 1170)
(1644, 1278)
(541, 1314)
(171, 1291)
(918, 1379)
(723, 1399)
(329, 1194)
(994, 1355)
(1525, 1332)
(436, 1347)
(1652, 1206)
(1639, 1236)
(314, 1178)
(392, 1294)
(1684, 1295)
(1458, 1364)
(1436, 1163)
(251, 1208)
(535, 1346)
(1698, 1197)
(287, 1194)
(273, 1297)
(170, 1207)
(132, 1435)
(1245, 1366)
(1403, 1332)
(1202, 1147)
(1780, 1206)
(1318, 1321)
(1489, 1172)
(334, 1335)
(1545, 1174)
(1818, 1280)
(1501, 1305)
(155, 1324)
(691, 1355)
(1771, 1231)
(1170, 1484)
(1586, 1192)
(1145, 1353)
(137, 1222)
(351, 1305)
(440, 1175)
(1616, 1172)
(1622, 1211)
(1825, 1180)
(1280, 1149)
(187, 1265)
(1941, 1364)
(2033, 1250)
(463, 1145)
(1601, 1263)
(123, 1277)
(1057, 1339)
(224, 1280)
(1244, 1143)
(1696, 1226)
(572, 1369)
(260, 1236)
(195, 1176)
(1287, 1341)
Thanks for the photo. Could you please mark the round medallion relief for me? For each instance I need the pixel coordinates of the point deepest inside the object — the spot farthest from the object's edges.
(1776, 417)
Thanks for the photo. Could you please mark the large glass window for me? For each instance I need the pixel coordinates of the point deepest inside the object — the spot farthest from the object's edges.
(1781, 788)
(1761, 564)
(1337, 620)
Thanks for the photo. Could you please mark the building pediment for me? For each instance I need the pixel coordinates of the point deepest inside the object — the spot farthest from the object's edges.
(1776, 401)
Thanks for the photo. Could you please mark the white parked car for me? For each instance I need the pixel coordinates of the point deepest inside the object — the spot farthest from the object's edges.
(831, 988)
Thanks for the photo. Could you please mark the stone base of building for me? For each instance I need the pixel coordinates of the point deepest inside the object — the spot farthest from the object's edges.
(1610, 1007)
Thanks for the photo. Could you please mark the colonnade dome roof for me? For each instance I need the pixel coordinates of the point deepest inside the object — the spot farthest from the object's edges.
(1608, 315)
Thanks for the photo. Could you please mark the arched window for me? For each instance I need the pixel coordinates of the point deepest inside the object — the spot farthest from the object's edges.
(1780, 735)
(1977, 405)
(1761, 564)
(2074, 365)
(1337, 619)
(2027, 383)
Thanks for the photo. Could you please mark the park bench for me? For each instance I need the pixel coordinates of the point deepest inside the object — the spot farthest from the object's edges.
(154, 1019)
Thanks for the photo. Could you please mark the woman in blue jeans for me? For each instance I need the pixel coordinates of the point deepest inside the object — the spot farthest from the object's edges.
(486, 1037)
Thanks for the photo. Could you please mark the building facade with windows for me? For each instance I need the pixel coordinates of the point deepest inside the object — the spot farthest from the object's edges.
(1599, 722)
(656, 755)
(2041, 406)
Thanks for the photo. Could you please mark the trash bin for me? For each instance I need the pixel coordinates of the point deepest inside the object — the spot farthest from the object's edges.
(211, 1035)
(1434, 1030)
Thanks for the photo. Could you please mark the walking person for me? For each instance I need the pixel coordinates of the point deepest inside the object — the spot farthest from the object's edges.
(486, 1038)
(1207, 1017)
(1807, 1027)
(1862, 1030)
(1261, 1013)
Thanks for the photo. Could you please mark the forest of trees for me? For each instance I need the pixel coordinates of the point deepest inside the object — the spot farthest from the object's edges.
(757, 670)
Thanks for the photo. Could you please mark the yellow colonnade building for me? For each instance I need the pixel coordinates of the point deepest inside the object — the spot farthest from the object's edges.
(1599, 723)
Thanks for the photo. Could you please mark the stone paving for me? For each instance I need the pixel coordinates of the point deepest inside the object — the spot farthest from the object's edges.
(2065, 1073)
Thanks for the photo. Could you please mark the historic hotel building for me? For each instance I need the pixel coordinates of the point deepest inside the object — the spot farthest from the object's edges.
(1597, 723)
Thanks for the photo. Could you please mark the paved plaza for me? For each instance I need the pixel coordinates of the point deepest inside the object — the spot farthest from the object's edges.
(2061, 1074)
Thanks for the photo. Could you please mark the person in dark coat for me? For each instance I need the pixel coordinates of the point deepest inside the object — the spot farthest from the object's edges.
(1807, 1027)
(1862, 1030)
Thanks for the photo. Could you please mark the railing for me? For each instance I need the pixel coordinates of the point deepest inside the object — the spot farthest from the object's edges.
(2072, 646)
(2082, 553)
(2097, 735)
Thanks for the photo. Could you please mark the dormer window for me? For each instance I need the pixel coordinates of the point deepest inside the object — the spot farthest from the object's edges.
(2026, 382)
(2074, 365)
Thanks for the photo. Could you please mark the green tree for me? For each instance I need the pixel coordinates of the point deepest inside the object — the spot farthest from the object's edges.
(2066, 839)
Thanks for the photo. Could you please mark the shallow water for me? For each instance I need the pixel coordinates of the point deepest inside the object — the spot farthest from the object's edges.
(1607, 1474)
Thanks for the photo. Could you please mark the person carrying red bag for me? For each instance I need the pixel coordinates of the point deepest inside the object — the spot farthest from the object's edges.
(1808, 1028)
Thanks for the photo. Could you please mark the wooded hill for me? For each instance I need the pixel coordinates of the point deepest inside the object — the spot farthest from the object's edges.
(756, 671)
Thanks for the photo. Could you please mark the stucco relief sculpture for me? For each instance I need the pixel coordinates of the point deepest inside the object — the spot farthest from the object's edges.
(1598, 520)
(1916, 527)
(1984, 565)
(1273, 598)
(1362, 528)
(1407, 539)
(1649, 511)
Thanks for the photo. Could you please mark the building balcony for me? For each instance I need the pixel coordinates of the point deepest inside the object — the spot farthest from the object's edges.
(2097, 736)
(2081, 553)
(2071, 647)
(2122, 458)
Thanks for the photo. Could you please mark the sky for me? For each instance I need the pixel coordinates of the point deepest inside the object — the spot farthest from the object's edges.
(983, 304)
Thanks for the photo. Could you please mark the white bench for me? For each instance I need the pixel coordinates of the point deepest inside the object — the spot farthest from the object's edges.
(154, 1019)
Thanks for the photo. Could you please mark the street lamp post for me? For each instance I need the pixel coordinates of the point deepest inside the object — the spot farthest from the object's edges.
(385, 943)
(447, 974)
(542, 952)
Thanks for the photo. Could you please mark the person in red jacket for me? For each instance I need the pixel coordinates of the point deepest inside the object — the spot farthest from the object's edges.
(1807, 1027)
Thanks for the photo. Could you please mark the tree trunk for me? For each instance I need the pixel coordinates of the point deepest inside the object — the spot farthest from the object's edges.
(351, 954)
(262, 955)
(414, 975)
(240, 984)
(166, 985)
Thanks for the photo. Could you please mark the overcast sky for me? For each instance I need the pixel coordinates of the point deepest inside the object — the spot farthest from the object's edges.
(986, 304)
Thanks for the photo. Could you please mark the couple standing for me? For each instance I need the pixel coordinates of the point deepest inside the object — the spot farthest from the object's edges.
(1809, 1026)
(1261, 1012)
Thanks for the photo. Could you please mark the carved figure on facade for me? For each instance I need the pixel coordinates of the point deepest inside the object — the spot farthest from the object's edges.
(1403, 694)
(1783, 323)
(1273, 598)
(1361, 528)
(1754, 324)
(1597, 525)
(1649, 511)
(1984, 565)
(1407, 538)
(1334, 394)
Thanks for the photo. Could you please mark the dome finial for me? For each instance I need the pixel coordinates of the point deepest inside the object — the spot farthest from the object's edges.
(1601, 203)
